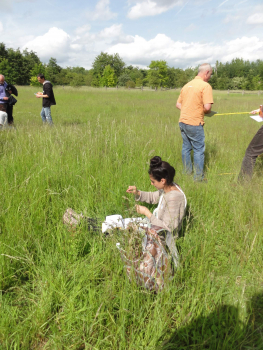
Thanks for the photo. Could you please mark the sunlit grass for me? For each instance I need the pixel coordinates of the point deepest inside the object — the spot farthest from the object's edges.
(68, 290)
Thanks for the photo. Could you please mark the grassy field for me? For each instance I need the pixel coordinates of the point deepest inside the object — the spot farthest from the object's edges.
(62, 290)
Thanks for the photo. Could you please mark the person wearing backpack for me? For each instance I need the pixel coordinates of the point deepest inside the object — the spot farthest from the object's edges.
(7, 101)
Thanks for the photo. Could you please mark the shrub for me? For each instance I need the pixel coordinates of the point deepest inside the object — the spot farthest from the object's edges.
(130, 84)
(123, 79)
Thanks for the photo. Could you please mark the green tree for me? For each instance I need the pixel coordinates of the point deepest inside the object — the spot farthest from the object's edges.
(16, 66)
(3, 52)
(52, 70)
(18, 73)
(77, 80)
(88, 77)
(157, 74)
(139, 82)
(108, 78)
(6, 70)
(135, 73)
(30, 59)
(37, 69)
(130, 84)
(103, 60)
(123, 79)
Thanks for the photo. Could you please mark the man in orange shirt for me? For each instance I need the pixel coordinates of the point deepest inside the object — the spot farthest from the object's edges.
(195, 100)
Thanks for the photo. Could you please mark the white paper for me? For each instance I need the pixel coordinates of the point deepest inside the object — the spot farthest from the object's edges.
(257, 118)
(112, 221)
(117, 221)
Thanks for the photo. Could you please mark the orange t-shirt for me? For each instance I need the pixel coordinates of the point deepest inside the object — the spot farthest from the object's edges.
(194, 95)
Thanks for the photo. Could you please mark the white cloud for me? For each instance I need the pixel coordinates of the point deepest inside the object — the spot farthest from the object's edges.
(82, 48)
(152, 7)
(79, 49)
(107, 36)
(83, 29)
(249, 48)
(102, 12)
(183, 54)
(110, 32)
(1, 27)
(55, 43)
(114, 34)
(257, 18)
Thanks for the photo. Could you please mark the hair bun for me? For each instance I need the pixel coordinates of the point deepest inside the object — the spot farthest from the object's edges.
(156, 162)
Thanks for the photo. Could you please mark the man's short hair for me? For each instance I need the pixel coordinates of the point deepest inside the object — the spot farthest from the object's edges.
(204, 67)
(41, 76)
(2, 75)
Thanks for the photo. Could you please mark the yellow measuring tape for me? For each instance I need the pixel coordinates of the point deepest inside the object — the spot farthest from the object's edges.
(232, 113)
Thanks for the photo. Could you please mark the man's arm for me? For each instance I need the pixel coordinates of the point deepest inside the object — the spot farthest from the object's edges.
(207, 107)
(178, 105)
(43, 96)
(47, 90)
(208, 98)
(179, 101)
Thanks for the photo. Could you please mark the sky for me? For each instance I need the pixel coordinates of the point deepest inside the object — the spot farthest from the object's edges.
(184, 33)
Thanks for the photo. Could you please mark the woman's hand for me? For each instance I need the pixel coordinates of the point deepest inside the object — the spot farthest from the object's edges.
(143, 210)
(133, 189)
(256, 111)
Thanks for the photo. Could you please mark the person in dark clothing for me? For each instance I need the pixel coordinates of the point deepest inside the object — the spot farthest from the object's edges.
(10, 89)
(255, 148)
(48, 99)
(7, 101)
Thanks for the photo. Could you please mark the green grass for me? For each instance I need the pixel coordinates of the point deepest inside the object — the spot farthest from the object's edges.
(64, 290)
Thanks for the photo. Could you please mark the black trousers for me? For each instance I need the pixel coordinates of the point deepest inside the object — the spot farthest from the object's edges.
(9, 112)
(255, 148)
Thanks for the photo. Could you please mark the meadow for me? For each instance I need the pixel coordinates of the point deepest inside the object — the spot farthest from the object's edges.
(68, 290)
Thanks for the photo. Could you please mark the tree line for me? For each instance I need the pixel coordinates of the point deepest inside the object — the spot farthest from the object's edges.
(21, 68)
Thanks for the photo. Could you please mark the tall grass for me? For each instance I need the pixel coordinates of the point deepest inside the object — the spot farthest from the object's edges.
(68, 290)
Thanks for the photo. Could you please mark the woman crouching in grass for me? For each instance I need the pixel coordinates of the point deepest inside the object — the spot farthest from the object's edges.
(169, 196)
(152, 266)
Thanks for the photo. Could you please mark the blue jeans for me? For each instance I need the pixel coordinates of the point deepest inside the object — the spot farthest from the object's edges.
(46, 115)
(193, 139)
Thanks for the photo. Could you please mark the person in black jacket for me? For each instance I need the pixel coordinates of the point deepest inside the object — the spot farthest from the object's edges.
(48, 99)
(7, 101)
(10, 89)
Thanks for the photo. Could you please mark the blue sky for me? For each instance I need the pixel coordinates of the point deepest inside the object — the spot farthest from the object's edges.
(184, 33)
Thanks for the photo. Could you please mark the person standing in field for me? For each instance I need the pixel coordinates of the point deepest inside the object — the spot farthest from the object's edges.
(254, 149)
(7, 101)
(48, 99)
(195, 100)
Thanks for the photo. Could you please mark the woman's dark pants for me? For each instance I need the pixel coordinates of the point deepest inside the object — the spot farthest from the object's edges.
(254, 149)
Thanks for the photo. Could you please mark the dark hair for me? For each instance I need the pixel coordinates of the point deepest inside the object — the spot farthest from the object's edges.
(161, 170)
(41, 76)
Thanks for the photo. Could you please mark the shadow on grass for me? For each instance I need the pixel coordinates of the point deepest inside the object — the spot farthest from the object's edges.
(220, 330)
(187, 222)
(70, 122)
(211, 150)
